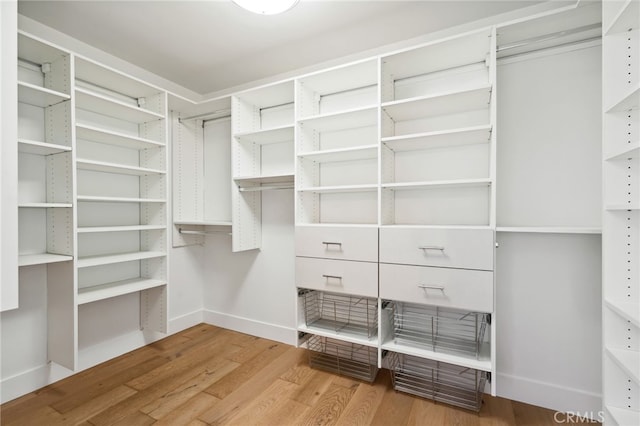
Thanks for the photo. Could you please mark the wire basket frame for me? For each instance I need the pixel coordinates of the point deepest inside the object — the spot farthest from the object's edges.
(439, 329)
(345, 358)
(341, 313)
(438, 381)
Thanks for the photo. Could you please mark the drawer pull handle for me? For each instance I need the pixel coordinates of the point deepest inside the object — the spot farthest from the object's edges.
(335, 277)
(331, 243)
(431, 287)
(440, 248)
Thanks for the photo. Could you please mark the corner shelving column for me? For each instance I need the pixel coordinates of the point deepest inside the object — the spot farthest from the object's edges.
(121, 158)
(621, 221)
(437, 214)
(45, 184)
(262, 154)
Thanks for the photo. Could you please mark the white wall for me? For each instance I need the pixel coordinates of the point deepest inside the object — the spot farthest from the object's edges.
(254, 291)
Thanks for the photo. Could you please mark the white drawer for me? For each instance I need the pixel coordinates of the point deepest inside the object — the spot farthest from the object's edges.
(337, 276)
(334, 242)
(452, 248)
(453, 288)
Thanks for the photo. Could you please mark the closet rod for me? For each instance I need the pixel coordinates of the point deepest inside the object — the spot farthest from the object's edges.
(185, 232)
(264, 188)
(226, 113)
(548, 37)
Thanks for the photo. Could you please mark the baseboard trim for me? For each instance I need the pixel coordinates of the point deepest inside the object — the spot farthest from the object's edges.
(549, 395)
(28, 381)
(255, 328)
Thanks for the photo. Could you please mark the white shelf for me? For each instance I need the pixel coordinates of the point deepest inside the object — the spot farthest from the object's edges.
(343, 78)
(453, 137)
(97, 199)
(629, 361)
(108, 137)
(630, 152)
(118, 258)
(482, 363)
(465, 227)
(549, 229)
(101, 166)
(626, 19)
(349, 119)
(41, 259)
(460, 183)
(623, 416)
(40, 148)
(202, 222)
(345, 336)
(100, 104)
(268, 136)
(629, 101)
(363, 152)
(337, 225)
(39, 96)
(114, 289)
(628, 311)
(438, 104)
(44, 205)
(622, 207)
(97, 229)
(262, 180)
(340, 188)
(37, 52)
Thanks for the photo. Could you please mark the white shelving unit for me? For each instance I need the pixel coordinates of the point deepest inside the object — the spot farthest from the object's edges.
(121, 162)
(262, 156)
(621, 221)
(46, 183)
(437, 179)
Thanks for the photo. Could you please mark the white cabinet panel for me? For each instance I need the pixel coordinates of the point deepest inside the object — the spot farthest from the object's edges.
(336, 276)
(453, 288)
(454, 248)
(338, 243)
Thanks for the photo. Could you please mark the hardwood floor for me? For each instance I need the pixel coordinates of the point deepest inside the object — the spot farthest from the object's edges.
(208, 375)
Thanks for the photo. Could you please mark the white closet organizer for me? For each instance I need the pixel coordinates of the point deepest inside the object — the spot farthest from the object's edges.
(621, 221)
(436, 123)
(337, 214)
(438, 217)
(121, 158)
(262, 155)
(202, 187)
(337, 148)
(45, 177)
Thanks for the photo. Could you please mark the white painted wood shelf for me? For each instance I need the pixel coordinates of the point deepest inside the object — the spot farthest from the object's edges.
(628, 153)
(101, 166)
(549, 229)
(39, 96)
(115, 289)
(340, 188)
(345, 336)
(483, 362)
(249, 181)
(364, 152)
(201, 222)
(45, 205)
(623, 416)
(444, 138)
(626, 19)
(627, 360)
(629, 311)
(101, 104)
(101, 199)
(268, 136)
(40, 148)
(86, 262)
(96, 134)
(459, 183)
(347, 119)
(42, 259)
(628, 102)
(129, 228)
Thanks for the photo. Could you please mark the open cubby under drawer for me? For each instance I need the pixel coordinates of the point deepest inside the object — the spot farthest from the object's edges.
(345, 358)
(439, 381)
(339, 313)
(439, 329)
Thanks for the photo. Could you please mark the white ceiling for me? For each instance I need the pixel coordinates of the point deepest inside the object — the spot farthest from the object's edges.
(207, 46)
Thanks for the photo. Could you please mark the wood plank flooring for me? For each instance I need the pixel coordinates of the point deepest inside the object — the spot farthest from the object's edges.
(211, 376)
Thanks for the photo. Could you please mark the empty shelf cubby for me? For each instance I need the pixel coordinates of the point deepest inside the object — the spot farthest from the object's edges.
(438, 381)
(345, 358)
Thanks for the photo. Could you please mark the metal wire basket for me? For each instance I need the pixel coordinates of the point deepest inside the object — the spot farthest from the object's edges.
(348, 359)
(438, 381)
(439, 329)
(341, 314)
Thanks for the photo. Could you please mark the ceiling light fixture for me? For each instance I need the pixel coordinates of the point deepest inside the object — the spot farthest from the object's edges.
(266, 7)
